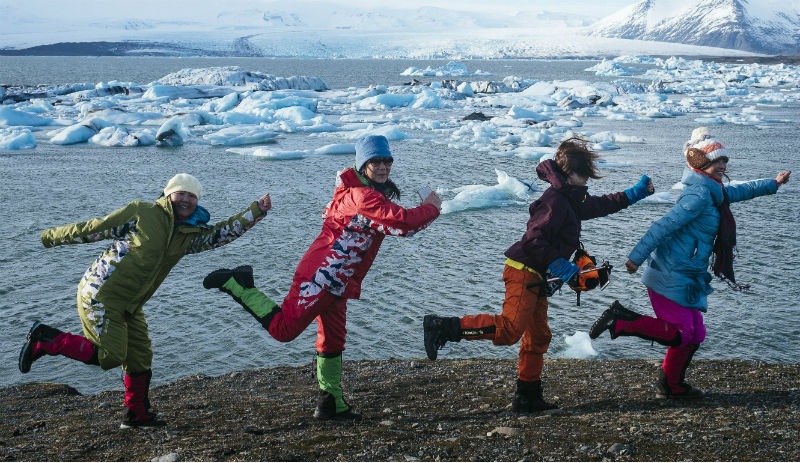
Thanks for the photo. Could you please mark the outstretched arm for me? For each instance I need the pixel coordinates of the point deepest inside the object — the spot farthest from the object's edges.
(392, 219)
(228, 230)
(114, 225)
(601, 206)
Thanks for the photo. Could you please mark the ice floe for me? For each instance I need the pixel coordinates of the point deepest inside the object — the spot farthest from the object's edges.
(249, 111)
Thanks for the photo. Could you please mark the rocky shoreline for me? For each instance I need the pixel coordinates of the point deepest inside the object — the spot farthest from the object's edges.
(416, 410)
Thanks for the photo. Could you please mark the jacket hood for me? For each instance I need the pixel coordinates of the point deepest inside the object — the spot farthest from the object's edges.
(350, 179)
(549, 172)
(692, 177)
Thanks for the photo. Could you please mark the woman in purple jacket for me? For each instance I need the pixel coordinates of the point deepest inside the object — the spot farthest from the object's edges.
(552, 236)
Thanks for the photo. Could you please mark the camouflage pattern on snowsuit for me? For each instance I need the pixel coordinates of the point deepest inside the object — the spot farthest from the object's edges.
(147, 244)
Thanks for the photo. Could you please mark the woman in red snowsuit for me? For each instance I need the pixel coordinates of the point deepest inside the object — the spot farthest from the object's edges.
(355, 222)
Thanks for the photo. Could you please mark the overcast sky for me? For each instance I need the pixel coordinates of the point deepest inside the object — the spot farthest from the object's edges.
(591, 7)
(189, 8)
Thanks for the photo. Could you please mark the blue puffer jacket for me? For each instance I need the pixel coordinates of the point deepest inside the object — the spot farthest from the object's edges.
(679, 245)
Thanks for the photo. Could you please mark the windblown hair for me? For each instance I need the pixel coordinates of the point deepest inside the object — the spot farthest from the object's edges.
(574, 155)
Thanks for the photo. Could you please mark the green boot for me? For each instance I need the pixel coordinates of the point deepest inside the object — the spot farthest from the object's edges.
(331, 404)
(239, 283)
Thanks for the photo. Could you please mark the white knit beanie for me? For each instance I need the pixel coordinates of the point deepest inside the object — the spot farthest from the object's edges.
(698, 135)
(183, 182)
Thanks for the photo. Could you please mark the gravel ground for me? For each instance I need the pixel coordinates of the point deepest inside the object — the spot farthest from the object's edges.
(448, 410)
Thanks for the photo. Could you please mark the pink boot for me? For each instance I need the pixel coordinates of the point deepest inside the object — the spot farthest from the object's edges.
(43, 339)
(137, 402)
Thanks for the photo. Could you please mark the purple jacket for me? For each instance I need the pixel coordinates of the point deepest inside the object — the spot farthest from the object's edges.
(554, 229)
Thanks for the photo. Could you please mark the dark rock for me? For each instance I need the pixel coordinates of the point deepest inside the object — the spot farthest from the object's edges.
(476, 116)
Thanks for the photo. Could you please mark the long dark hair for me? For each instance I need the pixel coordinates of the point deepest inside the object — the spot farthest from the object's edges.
(574, 155)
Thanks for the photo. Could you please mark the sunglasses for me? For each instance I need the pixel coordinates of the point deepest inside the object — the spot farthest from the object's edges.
(385, 161)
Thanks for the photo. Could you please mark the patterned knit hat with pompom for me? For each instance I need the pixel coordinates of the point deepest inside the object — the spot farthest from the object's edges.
(702, 149)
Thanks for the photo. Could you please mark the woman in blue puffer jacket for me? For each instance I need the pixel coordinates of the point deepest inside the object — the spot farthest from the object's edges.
(699, 228)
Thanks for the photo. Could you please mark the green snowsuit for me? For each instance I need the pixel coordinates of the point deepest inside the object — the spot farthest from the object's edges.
(147, 244)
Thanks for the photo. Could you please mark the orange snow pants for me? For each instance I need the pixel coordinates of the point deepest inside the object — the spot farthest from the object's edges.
(524, 316)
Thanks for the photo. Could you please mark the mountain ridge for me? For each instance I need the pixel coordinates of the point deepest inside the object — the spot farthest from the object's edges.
(757, 26)
(276, 29)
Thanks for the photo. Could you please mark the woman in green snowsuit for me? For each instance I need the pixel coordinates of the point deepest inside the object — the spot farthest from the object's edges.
(149, 239)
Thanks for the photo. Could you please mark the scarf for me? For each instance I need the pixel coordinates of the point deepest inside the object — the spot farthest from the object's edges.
(200, 216)
(386, 189)
(725, 245)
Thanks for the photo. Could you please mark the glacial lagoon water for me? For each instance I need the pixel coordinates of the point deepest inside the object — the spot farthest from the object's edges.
(452, 268)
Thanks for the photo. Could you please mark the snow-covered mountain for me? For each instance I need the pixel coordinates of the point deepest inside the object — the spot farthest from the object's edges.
(320, 29)
(760, 26)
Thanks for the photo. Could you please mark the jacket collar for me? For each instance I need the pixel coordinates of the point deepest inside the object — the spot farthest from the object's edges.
(693, 177)
(350, 179)
(200, 217)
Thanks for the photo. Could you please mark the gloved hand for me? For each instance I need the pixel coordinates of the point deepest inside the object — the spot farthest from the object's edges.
(563, 269)
(642, 189)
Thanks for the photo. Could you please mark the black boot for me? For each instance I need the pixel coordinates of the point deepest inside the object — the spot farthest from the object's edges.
(242, 274)
(607, 319)
(439, 330)
(326, 409)
(663, 391)
(239, 283)
(46, 340)
(528, 398)
(31, 351)
(677, 362)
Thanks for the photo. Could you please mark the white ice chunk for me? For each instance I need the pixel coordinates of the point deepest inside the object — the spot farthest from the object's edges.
(156, 92)
(80, 132)
(339, 148)
(172, 132)
(265, 153)
(13, 116)
(238, 135)
(16, 138)
(509, 191)
(579, 346)
(451, 69)
(296, 114)
(121, 136)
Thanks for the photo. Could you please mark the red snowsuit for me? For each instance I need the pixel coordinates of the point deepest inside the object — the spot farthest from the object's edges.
(354, 224)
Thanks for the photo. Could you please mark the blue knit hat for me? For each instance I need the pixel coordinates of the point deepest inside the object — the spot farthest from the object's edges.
(370, 147)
